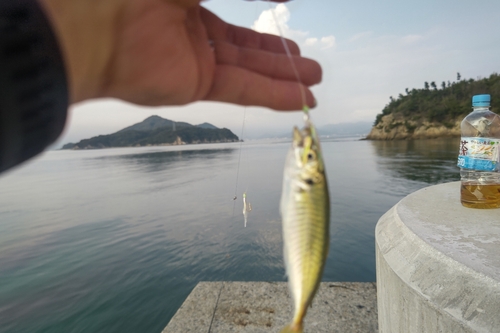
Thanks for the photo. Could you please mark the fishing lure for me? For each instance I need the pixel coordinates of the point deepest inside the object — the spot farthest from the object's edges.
(247, 208)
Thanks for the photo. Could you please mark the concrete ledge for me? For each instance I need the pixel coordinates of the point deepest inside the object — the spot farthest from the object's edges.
(244, 307)
(438, 265)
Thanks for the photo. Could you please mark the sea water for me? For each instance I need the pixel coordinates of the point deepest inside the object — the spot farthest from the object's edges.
(114, 240)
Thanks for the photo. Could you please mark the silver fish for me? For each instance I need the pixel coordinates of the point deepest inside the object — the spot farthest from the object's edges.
(305, 212)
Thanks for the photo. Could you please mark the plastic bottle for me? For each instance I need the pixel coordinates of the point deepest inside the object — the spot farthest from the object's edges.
(479, 156)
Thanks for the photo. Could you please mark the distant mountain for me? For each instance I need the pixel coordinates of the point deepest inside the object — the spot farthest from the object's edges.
(155, 131)
(207, 125)
(154, 122)
(356, 129)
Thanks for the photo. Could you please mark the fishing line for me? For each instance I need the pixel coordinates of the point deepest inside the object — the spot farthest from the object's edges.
(305, 108)
(239, 158)
(241, 145)
(215, 307)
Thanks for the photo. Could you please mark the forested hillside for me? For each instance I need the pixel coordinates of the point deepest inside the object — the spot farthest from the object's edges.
(436, 110)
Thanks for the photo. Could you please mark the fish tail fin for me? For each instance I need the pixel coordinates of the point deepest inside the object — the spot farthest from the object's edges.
(292, 328)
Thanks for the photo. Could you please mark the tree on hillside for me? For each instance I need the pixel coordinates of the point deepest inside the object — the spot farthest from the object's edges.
(458, 76)
(445, 106)
(426, 85)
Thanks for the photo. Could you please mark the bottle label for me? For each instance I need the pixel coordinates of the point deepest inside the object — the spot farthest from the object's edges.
(480, 154)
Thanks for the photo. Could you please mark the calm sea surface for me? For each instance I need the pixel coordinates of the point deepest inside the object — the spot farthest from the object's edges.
(113, 241)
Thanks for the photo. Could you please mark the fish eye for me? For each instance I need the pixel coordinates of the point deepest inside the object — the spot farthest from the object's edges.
(310, 156)
(309, 181)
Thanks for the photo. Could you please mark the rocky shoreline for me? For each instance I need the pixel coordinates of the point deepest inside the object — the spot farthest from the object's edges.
(399, 128)
(177, 142)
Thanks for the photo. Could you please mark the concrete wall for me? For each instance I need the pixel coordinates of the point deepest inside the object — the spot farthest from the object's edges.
(438, 265)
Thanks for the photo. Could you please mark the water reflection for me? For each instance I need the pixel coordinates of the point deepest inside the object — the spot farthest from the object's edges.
(161, 160)
(428, 161)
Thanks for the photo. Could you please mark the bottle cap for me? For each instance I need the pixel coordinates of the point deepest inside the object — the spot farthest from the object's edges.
(481, 100)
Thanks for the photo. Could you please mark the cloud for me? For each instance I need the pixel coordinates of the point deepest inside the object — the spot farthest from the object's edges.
(359, 77)
(410, 39)
(275, 21)
(328, 42)
(360, 36)
(311, 41)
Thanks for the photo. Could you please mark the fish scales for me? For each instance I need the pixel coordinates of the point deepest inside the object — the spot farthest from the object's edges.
(305, 213)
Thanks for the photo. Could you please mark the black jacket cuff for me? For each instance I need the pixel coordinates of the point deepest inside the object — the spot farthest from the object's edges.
(33, 86)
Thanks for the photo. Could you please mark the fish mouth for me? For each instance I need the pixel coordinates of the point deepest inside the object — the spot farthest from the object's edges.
(307, 148)
(303, 137)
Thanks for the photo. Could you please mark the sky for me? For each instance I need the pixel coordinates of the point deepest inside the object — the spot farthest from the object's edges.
(369, 50)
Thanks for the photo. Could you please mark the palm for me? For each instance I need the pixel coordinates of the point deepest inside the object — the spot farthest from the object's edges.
(162, 56)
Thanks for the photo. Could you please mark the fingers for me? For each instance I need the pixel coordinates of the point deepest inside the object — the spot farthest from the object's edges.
(277, 66)
(218, 30)
(236, 85)
(253, 68)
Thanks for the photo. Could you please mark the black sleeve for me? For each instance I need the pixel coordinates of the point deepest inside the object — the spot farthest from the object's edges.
(33, 86)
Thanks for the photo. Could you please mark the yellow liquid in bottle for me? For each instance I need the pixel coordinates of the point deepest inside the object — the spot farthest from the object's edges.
(480, 196)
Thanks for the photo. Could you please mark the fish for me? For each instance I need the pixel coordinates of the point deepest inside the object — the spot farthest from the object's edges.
(305, 212)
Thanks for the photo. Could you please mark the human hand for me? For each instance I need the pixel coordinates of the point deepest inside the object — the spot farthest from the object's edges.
(157, 52)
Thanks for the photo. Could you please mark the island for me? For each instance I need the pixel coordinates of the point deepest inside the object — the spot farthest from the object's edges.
(157, 131)
(433, 112)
